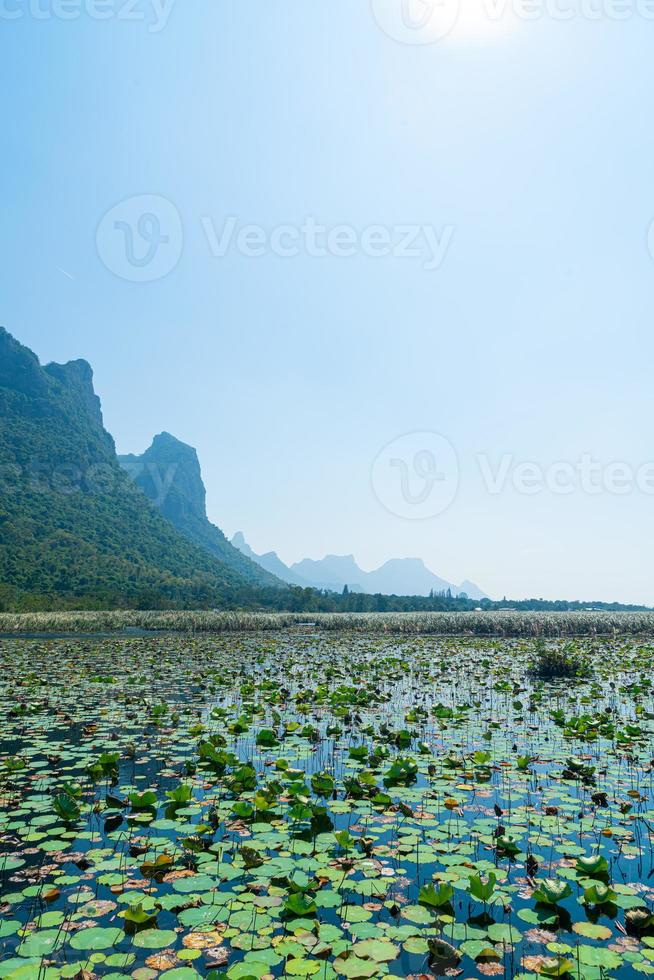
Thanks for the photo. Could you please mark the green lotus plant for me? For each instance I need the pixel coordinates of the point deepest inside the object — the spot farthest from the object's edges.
(599, 894)
(437, 898)
(158, 712)
(300, 905)
(594, 866)
(243, 809)
(143, 801)
(403, 771)
(105, 765)
(556, 966)
(267, 739)
(214, 758)
(507, 845)
(345, 840)
(243, 779)
(482, 889)
(135, 918)
(158, 868)
(14, 763)
(66, 808)
(322, 783)
(578, 770)
(551, 891)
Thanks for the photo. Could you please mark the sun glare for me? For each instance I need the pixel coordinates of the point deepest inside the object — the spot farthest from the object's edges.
(420, 22)
(483, 19)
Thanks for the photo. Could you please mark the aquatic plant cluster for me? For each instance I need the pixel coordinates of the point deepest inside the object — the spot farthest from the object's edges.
(325, 804)
(479, 623)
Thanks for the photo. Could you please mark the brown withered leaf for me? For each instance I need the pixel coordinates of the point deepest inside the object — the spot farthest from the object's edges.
(216, 956)
(202, 940)
(167, 959)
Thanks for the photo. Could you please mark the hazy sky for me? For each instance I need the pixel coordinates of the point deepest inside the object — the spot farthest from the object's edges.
(516, 154)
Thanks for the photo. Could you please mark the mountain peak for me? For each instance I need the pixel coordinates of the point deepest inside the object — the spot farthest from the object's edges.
(20, 369)
(331, 572)
(405, 563)
(77, 377)
(79, 534)
(78, 371)
(239, 542)
(169, 474)
(61, 396)
(166, 441)
(271, 562)
(471, 590)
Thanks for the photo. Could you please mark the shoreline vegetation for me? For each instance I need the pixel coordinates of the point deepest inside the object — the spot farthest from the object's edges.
(507, 623)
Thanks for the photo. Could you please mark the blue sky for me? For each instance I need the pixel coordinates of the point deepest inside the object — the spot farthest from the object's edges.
(526, 148)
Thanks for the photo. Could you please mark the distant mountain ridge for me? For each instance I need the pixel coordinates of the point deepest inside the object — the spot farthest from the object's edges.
(270, 561)
(398, 576)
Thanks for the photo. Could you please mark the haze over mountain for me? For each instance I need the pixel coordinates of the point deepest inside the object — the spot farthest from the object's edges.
(78, 531)
(399, 576)
(74, 528)
(80, 527)
(270, 561)
(169, 475)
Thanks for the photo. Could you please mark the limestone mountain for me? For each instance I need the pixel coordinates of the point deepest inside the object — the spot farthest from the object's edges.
(332, 572)
(74, 529)
(411, 575)
(169, 475)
